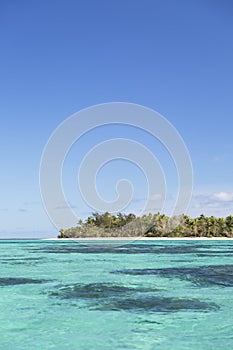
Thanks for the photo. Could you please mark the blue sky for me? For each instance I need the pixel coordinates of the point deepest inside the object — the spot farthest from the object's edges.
(58, 57)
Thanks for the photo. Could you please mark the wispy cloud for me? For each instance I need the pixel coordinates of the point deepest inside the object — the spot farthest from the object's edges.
(224, 196)
(22, 210)
(219, 203)
(28, 204)
(63, 207)
(155, 197)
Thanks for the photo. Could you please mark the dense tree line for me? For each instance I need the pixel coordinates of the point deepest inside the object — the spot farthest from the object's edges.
(151, 225)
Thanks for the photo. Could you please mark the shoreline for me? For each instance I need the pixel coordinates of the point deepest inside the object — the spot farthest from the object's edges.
(140, 238)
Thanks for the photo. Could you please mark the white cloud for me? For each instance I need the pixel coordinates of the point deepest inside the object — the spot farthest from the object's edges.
(218, 204)
(223, 196)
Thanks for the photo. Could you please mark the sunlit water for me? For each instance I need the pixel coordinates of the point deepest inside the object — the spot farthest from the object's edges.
(144, 295)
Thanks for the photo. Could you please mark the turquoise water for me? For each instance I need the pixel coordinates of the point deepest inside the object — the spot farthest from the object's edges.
(143, 295)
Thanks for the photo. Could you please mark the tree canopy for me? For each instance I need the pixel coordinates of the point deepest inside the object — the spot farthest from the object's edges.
(150, 225)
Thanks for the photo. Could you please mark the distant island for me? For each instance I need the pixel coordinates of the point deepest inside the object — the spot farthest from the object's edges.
(150, 225)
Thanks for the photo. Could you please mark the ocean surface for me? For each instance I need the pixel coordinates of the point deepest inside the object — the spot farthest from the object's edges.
(165, 295)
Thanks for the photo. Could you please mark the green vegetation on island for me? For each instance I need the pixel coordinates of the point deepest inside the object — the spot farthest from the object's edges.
(150, 225)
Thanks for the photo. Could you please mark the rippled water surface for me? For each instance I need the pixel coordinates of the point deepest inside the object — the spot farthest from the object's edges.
(143, 295)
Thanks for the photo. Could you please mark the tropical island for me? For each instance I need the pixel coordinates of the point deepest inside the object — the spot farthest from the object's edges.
(151, 225)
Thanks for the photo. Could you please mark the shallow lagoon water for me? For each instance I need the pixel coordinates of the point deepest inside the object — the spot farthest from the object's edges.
(142, 295)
